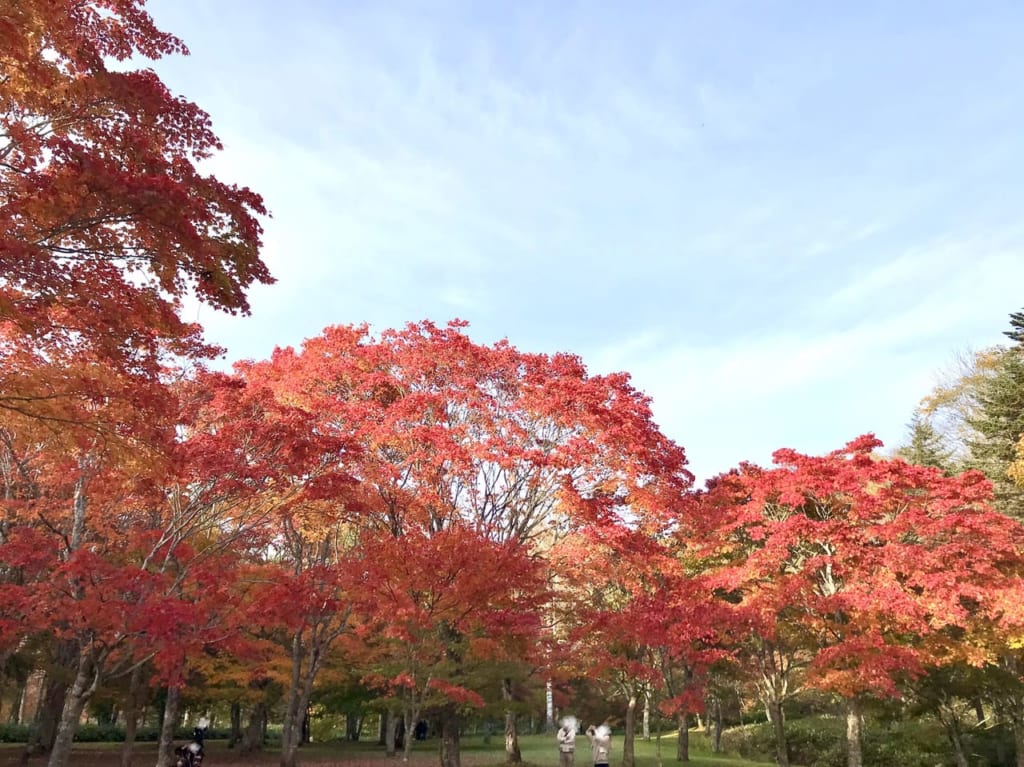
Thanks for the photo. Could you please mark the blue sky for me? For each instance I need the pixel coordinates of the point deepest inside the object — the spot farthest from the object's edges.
(781, 218)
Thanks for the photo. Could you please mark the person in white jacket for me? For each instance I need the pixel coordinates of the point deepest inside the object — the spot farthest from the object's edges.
(600, 743)
(567, 742)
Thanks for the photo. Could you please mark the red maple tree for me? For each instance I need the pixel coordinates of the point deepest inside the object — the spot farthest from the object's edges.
(853, 560)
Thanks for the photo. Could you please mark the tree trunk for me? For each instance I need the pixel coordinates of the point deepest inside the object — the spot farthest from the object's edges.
(165, 749)
(450, 746)
(252, 737)
(51, 702)
(409, 719)
(775, 715)
(74, 703)
(290, 729)
(513, 755)
(549, 707)
(629, 734)
(14, 715)
(683, 739)
(290, 741)
(391, 734)
(352, 727)
(854, 755)
(646, 727)
(236, 725)
(958, 750)
(86, 676)
(21, 680)
(299, 692)
(31, 699)
(950, 719)
(131, 716)
(716, 732)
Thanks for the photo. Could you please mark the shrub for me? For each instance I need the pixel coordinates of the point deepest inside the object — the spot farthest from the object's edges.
(103, 733)
(990, 746)
(15, 733)
(821, 742)
(99, 733)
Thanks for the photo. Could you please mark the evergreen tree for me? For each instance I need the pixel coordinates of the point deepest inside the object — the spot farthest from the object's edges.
(999, 422)
(926, 446)
(1016, 331)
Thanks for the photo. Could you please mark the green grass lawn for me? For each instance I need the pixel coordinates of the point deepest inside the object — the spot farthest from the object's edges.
(541, 750)
(538, 751)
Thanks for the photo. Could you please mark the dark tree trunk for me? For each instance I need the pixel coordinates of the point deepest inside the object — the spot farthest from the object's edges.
(950, 719)
(236, 725)
(14, 717)
(51, 702)
(716, 732)
(683, 740)
(252, 737)
(450, 745)
(629, 734)
(979, 710)
(131, 716)
(351, 727)
(958, 749)
(778, 720)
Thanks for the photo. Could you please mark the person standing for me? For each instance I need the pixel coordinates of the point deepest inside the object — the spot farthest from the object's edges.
(600, 743)
(567, 743)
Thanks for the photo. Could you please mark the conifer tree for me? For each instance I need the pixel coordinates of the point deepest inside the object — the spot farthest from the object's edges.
(1016, 332)
(926, 446)
(998, 422)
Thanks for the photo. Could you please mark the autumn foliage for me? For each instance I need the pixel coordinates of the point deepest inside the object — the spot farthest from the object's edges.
(436, 527)
(106, 220)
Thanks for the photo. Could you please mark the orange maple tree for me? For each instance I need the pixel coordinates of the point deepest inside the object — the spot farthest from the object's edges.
(438, 618)
(449, 434)
(106, 221)
(131, 556)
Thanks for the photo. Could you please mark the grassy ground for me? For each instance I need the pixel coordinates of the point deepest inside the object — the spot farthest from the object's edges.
(538, 751)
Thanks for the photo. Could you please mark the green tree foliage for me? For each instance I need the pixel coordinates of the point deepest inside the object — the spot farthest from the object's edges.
(926, 446)
(998, 423)
(1016, 331)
